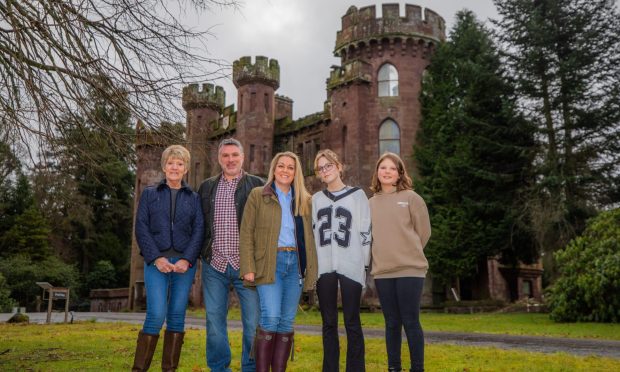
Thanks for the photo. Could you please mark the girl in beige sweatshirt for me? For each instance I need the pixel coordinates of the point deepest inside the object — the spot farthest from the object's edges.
(400, 230)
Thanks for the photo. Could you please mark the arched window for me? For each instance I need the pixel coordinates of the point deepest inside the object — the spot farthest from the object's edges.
(389, 137)
(388, 81)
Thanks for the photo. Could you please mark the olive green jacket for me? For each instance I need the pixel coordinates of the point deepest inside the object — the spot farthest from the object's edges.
(258, 239)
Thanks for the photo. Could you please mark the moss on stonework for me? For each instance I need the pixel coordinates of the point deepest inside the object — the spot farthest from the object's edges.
(286, 125)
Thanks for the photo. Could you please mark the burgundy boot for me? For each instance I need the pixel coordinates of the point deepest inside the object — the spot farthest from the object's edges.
(263, 349)
(281, 352)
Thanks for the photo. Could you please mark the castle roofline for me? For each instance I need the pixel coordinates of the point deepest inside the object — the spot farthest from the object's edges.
(363, 26)
(263, 70)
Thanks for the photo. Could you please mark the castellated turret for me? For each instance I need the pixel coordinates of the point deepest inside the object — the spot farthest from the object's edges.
(256, 85)
(373, 94)
(204, 107)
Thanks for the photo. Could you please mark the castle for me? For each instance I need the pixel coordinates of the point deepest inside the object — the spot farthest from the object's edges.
(372, 106)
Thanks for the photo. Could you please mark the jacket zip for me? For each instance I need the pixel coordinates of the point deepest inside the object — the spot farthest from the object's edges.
(296, 243)
(176, 199)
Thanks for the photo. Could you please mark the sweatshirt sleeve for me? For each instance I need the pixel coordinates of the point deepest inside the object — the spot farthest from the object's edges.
(420, 218)
(364, 228)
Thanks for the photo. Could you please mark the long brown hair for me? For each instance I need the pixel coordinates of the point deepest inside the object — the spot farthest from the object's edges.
(302, 196)
(404, 181)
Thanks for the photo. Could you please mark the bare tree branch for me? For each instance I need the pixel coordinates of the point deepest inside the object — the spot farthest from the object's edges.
(55, 55)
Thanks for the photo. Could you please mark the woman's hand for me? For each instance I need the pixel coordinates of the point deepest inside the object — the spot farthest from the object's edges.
(163, 265)
(181, 266)
(249, 277)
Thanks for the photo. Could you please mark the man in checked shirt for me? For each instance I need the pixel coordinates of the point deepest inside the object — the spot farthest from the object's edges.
(223, 199)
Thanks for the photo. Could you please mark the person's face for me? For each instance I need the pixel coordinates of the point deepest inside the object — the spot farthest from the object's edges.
(285, 171)
(230, 158)
(328, 171)
(387, 173)
(174, 169)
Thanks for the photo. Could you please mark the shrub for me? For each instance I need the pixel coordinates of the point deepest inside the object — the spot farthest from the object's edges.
(103, 275)
(589, 274)
(6, 302)
(22, 273)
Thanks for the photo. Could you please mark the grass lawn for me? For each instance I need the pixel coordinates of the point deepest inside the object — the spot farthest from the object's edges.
(110, 346)
(513, 324)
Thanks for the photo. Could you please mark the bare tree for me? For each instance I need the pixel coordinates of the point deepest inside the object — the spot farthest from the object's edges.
(55, 55)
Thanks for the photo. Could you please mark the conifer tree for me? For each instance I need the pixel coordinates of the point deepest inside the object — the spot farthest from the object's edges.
(473, 154)
(565, 56)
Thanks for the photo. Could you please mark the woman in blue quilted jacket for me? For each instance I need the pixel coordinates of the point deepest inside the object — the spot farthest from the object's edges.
(169, 231)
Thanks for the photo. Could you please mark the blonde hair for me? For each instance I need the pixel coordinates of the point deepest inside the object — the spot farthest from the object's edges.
(177, 152)
(302, 196)
(404, 181)
(331, 157)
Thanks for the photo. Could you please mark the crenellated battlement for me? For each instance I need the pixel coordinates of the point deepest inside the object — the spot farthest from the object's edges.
(363, 26)
(353, 71)
(263, 70)
(209, 96)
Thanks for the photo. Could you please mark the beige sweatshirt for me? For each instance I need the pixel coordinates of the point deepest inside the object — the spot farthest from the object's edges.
(400, 230)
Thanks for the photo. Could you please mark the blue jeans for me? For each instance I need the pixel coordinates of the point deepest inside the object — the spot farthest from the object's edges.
(215, 286)
(279, 300)
(166, 298)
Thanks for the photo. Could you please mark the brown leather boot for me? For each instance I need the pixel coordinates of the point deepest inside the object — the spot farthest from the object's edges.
(281, 351)
(145, 349)
(173, 341)
(263, 349)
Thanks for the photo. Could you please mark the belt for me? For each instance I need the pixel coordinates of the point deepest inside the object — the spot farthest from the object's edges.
(287, 249)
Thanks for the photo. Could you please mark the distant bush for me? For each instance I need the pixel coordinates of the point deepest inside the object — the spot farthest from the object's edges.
(22, 273)
(588, 286)
(103, 275)
(6, 302)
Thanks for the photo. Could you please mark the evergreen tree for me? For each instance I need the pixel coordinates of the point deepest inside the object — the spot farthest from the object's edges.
(29, 236)
(473, 154)
(91, 201)
(565, 57)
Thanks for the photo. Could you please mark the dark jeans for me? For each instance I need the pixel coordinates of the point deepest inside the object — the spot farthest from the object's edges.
(350, 293)
(400, 302)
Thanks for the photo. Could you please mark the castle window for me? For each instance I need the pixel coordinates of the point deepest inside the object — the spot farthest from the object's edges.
(388, 81)
(253, 101)
(389, 137)
(241, 104)
(266, 103)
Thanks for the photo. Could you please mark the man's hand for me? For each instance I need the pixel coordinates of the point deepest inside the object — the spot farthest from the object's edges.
(249, 277)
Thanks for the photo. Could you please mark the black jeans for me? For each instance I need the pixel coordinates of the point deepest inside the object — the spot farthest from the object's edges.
(400, 302)
(350, 293)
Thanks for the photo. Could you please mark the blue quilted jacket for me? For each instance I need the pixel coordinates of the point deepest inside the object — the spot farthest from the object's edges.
(155, 232)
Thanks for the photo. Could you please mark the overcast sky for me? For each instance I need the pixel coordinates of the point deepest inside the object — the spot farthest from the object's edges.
(301, 35)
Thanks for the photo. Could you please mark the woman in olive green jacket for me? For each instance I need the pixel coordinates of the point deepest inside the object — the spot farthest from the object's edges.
(278, 255)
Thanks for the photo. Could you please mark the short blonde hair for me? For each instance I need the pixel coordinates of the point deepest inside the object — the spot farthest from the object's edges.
(176, 152)
(331, 157)
(302, 196)
(404, 181)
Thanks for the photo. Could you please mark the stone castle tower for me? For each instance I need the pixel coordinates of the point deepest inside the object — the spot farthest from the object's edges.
(372, 106)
